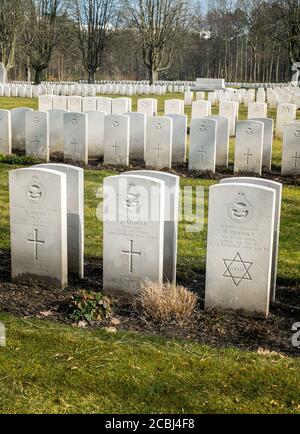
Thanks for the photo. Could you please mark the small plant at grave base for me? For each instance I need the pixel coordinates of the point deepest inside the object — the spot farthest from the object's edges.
(90, 306)
(25, 160)
(165, 303)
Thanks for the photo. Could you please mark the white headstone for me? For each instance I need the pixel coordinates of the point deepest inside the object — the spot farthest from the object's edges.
(75, 104)
(96, 134)
(38, 221)
(257, 110)
(240, 247)
(116, 140)
(5, 132)
(201, 109)
(137, 135)
(37, 134)
(76, 137)
(203, 141)
(120, 106)
(222, 146)
(60, 103)
(45, 103)
(229, 110)
(286, 114)
(179, 138)
(268, 140)
(18, 134)
(56, 130)
(278, 191)
(171, 219)
(89, 104)
(148, 106)
(133, 232)
(249, 147)
(104, 104)
(75, 214)
(159, 142)
(290, 164)
(174, 107)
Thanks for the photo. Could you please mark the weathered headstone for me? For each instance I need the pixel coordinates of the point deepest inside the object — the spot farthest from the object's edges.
(229, 110)
(179, 138)
(133, 232)
(45, 103)
(277, 186)
(104, 104)
(171, 219)
(18, 133)
(249, 147)
(96, 134)
(56, 130)
(268, 140)
(159, 142)
(201, 109)
(75, 214)
(240, 247)
(116, 140)
(148, 106)
(174, 107)
(76, 137)
(75, 104)
(37, 134)
(5, 132)
(137, 135)
(203, 140)
(38, 220)
(222, 145)
(290, 164)
(286, 114)
(257, 110)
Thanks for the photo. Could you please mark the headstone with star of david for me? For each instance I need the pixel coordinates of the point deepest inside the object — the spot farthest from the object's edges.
(240, 247)
(5, 132)
(133, 232)
(290, 164)
(203, 142)
(116, 140)
(38, 226)
(159, 133)
(76, 137)
(277, 187)
(249, 147)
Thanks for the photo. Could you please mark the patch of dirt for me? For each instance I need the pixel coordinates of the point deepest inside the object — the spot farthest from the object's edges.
(182, 170)
(221, 329)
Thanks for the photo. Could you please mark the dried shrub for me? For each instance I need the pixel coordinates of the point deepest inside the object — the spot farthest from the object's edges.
(166, 302)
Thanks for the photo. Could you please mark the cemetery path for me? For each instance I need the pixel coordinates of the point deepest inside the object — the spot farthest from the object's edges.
(219, 329)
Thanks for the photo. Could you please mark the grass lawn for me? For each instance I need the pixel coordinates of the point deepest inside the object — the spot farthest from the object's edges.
(47, 368)
(52, 368)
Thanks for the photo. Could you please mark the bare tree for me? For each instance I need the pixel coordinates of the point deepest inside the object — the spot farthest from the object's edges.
(290, 13)
(159, 23)
(10, 30)
(44, 19)
(96, 22)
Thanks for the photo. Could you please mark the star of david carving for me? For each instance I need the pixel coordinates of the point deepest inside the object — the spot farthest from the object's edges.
(237, 269)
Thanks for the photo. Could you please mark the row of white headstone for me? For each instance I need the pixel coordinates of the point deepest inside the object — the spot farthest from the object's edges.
(160, 141)
(140, 231)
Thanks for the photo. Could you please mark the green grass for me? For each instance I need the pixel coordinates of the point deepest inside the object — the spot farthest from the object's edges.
(49, 368)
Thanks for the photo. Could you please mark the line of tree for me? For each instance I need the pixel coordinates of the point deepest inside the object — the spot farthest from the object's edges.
(67, 40)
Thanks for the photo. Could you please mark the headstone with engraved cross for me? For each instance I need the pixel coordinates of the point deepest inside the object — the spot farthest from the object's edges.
(291, 150)
(116, 140)
(249, 147)
(38, 223)
(203, 140)
(133, 231)
(5, 132)
(76, 137)
(159, 142)
(37, 134)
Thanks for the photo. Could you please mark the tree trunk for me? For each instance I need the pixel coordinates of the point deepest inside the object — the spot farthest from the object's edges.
(153, 76)
(91, 77)
(38, 76)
